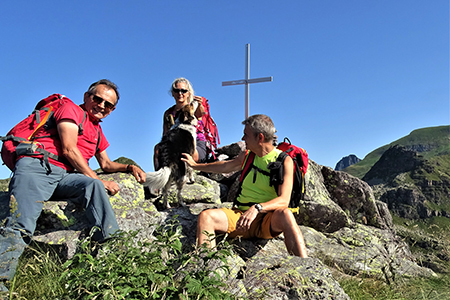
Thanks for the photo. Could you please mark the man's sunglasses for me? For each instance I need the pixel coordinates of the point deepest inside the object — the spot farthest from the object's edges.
(99, 100)
(182, 91)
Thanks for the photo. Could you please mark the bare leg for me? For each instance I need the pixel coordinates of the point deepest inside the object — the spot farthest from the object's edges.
(283, 221)
(211, 221)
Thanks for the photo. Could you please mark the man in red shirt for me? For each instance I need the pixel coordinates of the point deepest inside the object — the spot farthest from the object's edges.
(35, 182)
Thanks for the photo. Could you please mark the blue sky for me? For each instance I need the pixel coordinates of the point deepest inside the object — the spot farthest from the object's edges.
(349, 76)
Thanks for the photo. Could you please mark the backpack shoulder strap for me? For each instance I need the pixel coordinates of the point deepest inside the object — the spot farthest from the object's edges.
(247, 164)
(246, 168)
(276, 169)
(282, 156)
(80, 126)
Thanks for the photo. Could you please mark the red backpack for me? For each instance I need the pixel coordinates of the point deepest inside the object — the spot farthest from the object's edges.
(276, 171)
(23, 139)
(209, 129)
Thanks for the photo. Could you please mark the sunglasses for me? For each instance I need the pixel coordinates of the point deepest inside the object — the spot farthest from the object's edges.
(182, 91)
(100, 100)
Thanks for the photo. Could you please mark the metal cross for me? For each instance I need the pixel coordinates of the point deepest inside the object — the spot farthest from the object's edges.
(247, 79)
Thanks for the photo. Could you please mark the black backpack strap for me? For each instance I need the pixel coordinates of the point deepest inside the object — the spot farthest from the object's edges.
(80, 126)
(257, 170)
(98, 141)
(277, 171)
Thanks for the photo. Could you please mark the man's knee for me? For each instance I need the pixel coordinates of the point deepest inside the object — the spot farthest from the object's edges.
(205, 217)
(215, 218)
(284, 216)
(284, 213)
(92, 185)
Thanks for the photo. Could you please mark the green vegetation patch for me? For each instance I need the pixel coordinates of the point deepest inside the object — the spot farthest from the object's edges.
(405, 289)
(123, 268)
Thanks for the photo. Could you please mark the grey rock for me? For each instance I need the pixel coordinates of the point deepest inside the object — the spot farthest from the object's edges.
(354, 196)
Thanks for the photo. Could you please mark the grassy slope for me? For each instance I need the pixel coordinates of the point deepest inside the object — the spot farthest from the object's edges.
(429, 242)
(438, 137)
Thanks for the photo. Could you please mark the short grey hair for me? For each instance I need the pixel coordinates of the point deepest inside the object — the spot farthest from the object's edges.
(93, 87)
(261, 124)
(188, 85)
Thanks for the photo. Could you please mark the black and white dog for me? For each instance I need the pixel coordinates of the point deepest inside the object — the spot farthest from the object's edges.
(179, 139)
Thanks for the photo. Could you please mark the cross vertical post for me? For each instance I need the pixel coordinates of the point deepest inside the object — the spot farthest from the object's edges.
(247, 77)
(247, 80)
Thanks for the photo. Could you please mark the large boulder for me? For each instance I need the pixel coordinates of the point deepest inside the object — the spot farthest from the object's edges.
(355, 198)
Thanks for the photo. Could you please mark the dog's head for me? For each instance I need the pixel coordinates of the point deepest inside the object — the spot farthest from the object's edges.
(186, 115)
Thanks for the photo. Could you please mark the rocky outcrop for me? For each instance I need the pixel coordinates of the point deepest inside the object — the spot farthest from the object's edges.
(346, 162)
(345, 228)
(394, 161)
(411, 186)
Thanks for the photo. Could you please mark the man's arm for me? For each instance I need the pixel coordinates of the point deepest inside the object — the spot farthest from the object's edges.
(284, 190)
(225, 166)
(108, 165)
(68, 134)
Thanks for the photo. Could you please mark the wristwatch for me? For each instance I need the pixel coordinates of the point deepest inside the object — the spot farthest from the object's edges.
(259, 207)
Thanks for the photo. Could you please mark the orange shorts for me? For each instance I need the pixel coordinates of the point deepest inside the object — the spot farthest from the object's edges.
(259, 228)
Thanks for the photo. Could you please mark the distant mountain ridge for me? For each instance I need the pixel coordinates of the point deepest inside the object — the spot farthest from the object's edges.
(412, 174)
(429, 142)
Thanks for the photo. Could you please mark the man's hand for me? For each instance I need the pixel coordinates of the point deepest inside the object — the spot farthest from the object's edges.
(138, 173)
(246, 220)
(189, 160)
(111, 187)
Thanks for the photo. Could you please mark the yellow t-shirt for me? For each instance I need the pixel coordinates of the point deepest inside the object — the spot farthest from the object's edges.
(260, 191)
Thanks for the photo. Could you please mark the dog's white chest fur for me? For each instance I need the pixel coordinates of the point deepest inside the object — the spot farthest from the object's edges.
(190, 128)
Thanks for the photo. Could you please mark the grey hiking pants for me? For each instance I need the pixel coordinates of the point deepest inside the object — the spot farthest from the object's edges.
(32, 185)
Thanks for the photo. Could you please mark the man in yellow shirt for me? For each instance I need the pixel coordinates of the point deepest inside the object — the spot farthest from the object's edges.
(262, 212)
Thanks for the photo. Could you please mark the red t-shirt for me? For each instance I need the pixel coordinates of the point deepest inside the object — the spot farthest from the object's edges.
(87, 142)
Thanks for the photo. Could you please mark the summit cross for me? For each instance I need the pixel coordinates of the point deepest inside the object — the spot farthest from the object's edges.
(247, 80)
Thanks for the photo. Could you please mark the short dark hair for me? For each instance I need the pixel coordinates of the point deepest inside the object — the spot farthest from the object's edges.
(93, 87)
(261, 124)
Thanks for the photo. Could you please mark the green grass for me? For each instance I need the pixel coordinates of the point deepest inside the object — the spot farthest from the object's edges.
(429, 242)
(406, 289)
